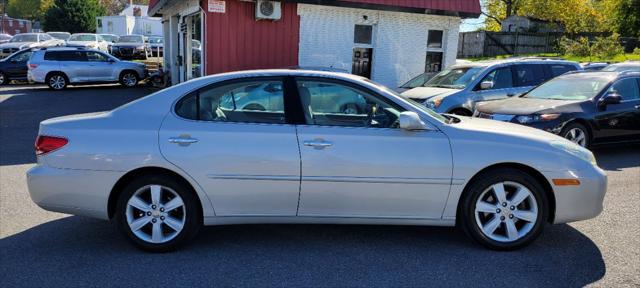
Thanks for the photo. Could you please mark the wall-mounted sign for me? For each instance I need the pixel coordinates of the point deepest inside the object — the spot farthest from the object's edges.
(216, 6)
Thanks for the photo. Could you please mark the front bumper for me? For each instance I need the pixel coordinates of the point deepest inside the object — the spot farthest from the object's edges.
(77, 192)
(579, 202)
(553, 126)
(129, 53)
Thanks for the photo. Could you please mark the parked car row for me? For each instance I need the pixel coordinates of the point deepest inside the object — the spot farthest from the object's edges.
(586, 107)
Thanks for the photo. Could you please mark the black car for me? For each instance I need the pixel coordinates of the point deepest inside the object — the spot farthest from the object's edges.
(14, 67)
(587, 108)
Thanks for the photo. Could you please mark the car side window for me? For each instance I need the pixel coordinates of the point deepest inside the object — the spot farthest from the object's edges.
(256, 101)
(559, 69)
(65, 56)
(22, 57)
(501, 78)
(328, 103)
(93, 56)
(627, 88)
(529, 75)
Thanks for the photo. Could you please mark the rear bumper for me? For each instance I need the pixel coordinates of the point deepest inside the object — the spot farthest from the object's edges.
(580, 202)
(77, 192)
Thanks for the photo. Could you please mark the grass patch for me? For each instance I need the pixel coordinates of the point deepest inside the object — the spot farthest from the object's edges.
(615, 59)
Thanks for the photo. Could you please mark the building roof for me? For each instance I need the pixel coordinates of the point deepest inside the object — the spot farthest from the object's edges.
(461, 8)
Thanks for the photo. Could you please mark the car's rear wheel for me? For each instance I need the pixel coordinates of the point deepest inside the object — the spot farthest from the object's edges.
(158, 214)
(129, 79)
(57, 81)
(577, 133)
(3, 79)
(504, 209)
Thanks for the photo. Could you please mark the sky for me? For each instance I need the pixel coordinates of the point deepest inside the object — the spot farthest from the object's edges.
(472, 24)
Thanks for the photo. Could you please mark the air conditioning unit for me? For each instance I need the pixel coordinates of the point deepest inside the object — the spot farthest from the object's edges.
(269, 10)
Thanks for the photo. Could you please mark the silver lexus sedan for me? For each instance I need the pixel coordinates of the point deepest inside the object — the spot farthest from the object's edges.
(187, 156)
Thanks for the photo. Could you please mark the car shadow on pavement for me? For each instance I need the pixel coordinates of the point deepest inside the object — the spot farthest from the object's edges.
(77, 251)
(617, 157)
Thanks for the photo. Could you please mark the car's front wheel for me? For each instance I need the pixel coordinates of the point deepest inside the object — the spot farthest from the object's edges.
(577, 133)
(129, 79)
(504, 209)
(158, 214)
(3, 78)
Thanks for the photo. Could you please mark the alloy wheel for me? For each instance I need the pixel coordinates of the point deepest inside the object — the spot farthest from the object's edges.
(506, 211)
(129, 79)
(57, 82)
(155, 214)
(576, 135)
(2, 78)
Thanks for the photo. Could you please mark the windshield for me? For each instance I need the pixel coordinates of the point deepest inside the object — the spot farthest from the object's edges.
(109, 38)
(416, 82)
(570, 88)
(4, 37)
(25, 38)
(455, 78)
(60, 35)
(623, 67)
(82, 38)
(155, 40)
(131, 39)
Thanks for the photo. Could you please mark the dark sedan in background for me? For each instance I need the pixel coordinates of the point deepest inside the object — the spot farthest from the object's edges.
(14, 67)
(130, 47)
(587, 108)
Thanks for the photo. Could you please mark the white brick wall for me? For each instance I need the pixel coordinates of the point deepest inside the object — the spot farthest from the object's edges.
(399, 44)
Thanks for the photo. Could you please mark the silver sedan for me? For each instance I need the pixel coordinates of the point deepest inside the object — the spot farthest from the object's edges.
(164, 165)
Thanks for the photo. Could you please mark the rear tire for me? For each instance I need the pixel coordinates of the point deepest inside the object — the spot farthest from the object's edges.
(129, 79)
(57, 81)
(503, 209)
(158, 213)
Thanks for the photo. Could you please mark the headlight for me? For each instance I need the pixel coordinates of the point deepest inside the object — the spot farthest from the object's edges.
(434, 103)
(575, 150)
(523, 119)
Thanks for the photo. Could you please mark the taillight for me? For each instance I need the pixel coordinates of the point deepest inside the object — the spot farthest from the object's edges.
(32, 66)
(46, 144)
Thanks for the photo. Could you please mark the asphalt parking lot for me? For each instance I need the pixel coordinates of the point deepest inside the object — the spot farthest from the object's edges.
(40, 248)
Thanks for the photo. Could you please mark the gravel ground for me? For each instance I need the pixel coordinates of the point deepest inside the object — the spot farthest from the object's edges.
(40, 248)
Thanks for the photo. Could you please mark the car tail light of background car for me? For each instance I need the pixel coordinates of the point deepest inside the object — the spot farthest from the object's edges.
(46, 144)
(33, 66)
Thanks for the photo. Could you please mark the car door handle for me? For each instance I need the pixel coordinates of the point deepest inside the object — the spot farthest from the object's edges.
(319, 144)
(182, 140)
(637, 106)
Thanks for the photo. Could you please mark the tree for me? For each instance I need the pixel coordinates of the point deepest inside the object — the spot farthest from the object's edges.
(627, 17)
(73, 16)
(28, 9)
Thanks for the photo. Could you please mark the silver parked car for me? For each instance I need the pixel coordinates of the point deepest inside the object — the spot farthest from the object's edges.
(28, 40)
(456, 89)
(59, 67)
(60, 35)
(166, 164)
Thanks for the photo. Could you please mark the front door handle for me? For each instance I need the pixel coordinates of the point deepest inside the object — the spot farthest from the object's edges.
(183, 140)
(637, 106)
(317, 143)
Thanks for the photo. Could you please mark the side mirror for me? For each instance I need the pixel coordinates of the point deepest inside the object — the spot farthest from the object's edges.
(610, 98)
(486, 85)
(411, 121)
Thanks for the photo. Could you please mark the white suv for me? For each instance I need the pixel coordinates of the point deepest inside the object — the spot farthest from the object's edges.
(58, 67)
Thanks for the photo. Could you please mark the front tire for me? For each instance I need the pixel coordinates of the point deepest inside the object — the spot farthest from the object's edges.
(3, 79)
(129, 79)
(504, 209)
(158, 213)
(577, 133)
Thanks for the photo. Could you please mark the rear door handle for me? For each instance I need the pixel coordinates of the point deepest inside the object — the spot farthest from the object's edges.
(317, 143)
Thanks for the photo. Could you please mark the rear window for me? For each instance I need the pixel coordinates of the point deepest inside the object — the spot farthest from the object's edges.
(529, 75)
(65, 56)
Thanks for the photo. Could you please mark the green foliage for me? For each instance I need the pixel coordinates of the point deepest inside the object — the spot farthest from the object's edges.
(28, 9)
(636, 51)
(607, 47)
(73, 16)
(627, 18)
(579, 47)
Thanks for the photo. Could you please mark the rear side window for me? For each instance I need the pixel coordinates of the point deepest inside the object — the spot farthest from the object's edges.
(529, 75)
(558, 69)
(65, 56)
(258, 101)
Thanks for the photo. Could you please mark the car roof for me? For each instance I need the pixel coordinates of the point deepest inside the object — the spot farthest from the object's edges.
(58, 32)
(84, 34)
(515, 60)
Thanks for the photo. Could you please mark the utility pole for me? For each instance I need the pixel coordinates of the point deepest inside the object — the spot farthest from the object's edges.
(4, 10)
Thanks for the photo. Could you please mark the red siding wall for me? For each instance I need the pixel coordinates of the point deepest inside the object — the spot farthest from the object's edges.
(236, 41)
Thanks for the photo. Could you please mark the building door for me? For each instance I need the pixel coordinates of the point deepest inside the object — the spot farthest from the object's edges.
(362, 62)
